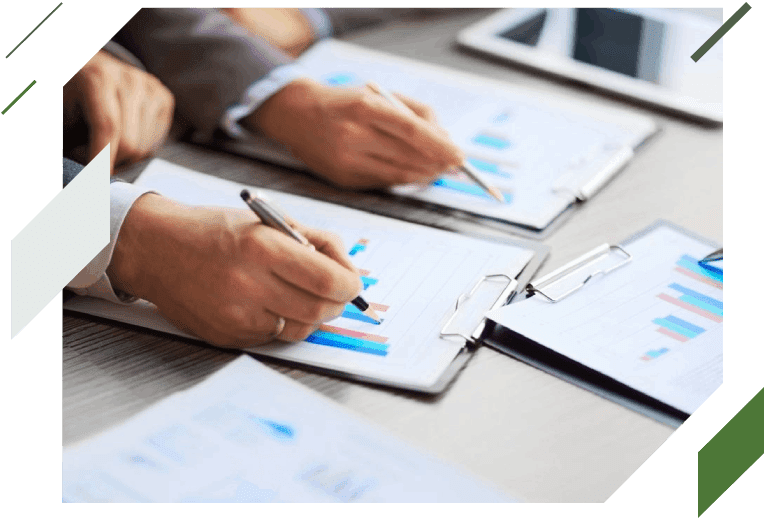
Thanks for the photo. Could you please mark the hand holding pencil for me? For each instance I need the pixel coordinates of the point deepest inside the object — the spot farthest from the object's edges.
(465, 167)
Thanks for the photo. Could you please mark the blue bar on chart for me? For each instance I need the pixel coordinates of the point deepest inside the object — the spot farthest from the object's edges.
(351, 312)
(692, 264)
(489, 167)
(368, 282)
(277, 430)
(340, 78)
(653, 354)
(503, 117)
(491, 141)
(697, 295)
(682, 327)
(331, 339)
(467, 188)
(701, 305)
(358, 247)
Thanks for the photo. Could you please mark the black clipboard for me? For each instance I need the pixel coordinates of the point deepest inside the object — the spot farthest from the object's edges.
(516, 345)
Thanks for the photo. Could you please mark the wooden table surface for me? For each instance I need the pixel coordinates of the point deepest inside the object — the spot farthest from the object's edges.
(535, 436)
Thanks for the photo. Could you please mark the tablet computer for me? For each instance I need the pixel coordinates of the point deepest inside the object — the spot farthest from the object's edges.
(644, 54)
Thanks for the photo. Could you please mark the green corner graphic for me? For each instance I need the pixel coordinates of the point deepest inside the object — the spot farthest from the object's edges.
(731, 452)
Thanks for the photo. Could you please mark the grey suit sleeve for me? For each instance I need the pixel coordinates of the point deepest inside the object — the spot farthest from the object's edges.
(346, 19)
(202, 56)
(71, 169)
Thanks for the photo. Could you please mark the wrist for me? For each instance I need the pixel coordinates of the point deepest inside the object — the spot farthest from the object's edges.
(130, 268)
(293, 101)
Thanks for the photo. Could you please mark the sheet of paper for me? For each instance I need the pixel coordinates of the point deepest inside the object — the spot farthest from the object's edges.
(249, 434)
(412, 275)
(521, 143)
(655, 324)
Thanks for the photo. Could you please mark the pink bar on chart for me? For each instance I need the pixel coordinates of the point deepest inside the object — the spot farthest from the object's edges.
(690, 307)
(353, 333)
(702, 279)
(364, 272)
(672, 334)
(379, 307)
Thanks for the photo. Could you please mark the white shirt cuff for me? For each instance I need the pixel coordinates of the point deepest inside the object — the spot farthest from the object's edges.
(93, 280)
(257, 94)
(320, 22)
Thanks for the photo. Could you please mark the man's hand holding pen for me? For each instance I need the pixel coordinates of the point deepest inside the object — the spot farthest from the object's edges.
(223, 276)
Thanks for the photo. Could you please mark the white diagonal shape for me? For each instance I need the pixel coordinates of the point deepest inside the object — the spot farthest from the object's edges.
(61, 240)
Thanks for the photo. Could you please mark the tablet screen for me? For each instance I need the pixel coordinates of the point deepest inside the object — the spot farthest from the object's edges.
(618, 41)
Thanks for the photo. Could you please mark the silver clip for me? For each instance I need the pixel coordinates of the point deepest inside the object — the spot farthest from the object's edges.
(559, 274)
(512, 284)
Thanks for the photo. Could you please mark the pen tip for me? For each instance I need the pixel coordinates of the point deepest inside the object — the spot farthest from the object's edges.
(245, 194)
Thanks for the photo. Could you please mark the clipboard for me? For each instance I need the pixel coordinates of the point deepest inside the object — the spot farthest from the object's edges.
(578, 275)
(430, 371)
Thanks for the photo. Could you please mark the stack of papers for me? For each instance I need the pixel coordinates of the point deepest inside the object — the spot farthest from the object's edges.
(249, 434)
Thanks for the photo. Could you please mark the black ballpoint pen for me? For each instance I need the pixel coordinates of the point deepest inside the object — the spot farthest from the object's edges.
(712, 257)
(272, 218)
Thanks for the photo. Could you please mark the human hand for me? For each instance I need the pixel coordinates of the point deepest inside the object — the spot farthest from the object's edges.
(223, 276)
(355, 138)
(286, 29)
(109, 101)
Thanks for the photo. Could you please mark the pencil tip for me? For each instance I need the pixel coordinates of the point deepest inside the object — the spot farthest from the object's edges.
(372, 314)
(498, 196)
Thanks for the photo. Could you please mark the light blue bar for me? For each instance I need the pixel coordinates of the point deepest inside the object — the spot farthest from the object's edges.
(692, 264)
(701, 305)
(484, 166)
(501, 118)
(653, 354)
(470, 189)
(491, 141)
(697, 295)
(683, 323)
(368, 282)
(343, 78)
(675, 328)
(330, 339)
(351, 312)
(356, 249)
(489, 167)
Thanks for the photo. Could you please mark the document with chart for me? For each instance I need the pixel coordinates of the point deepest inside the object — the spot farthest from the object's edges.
(250, 434)
(543, 153)
(653, 323)
(412, 276)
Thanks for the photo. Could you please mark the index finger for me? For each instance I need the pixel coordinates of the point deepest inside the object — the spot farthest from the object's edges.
(313, 271)
(421, 109)
(330, 245)
(416, 132)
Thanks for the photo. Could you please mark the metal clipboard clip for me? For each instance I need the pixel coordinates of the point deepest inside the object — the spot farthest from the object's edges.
(512, 285)
(559, 274)
(583, 189)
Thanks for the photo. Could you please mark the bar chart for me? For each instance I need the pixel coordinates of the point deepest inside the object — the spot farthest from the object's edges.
(468, 188)
(653, 354)
(358, 247)
(350, 339)
(709, 275)
(491, 140)
(694, 301)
